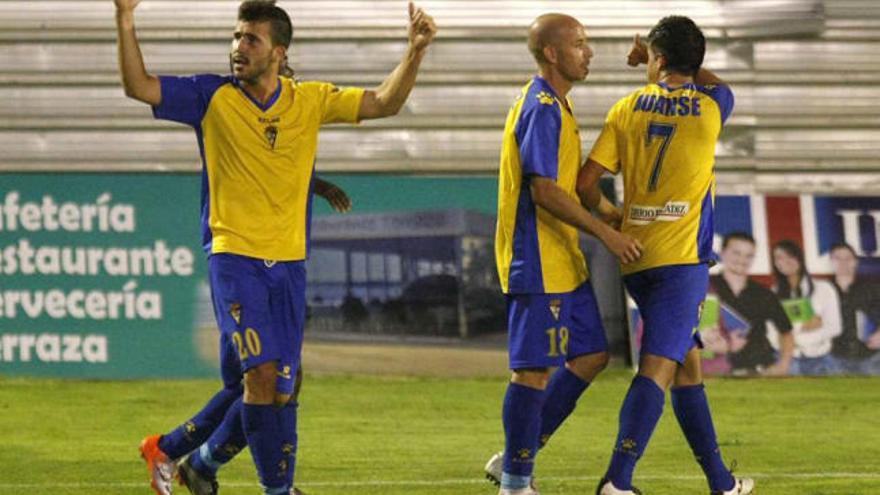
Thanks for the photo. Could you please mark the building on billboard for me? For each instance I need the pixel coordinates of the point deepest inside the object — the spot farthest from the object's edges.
(427, 272)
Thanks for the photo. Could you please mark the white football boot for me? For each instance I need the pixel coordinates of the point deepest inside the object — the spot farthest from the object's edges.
(607, 488)
(519, 491)
(742, 486)
(495, 467)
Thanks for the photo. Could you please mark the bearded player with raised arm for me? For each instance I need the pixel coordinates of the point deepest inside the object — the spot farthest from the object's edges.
(257, 133)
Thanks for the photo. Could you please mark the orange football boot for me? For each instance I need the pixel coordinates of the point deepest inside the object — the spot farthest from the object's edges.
(161, 468)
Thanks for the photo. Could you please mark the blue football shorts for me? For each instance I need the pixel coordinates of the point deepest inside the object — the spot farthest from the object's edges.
(669, 300)
(260, 308)
(546, 330)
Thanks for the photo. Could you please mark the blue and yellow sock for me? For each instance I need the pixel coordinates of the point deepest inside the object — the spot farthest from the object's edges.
(263, 428)
(522, 425)
(692, 410)
(639, 414)
(224, 444)
(193, 433)
(561, 397)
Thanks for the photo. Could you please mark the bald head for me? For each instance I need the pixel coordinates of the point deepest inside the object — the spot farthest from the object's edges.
(548, 30)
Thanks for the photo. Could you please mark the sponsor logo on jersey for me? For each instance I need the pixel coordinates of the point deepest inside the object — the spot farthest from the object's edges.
(670, 212)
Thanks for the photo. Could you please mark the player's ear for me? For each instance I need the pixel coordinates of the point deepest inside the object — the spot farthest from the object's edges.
(661, 62)
(280, 53)
(549, 52)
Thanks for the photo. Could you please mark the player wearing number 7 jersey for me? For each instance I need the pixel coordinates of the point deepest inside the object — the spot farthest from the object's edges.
(662, 139)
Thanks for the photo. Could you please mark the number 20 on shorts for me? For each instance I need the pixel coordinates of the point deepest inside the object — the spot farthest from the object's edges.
(248, 346)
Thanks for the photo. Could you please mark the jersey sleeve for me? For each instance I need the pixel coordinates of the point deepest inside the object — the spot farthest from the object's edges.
(340, 104)
(605, 151)
(723, 96)
(537, 135)
(186, 99)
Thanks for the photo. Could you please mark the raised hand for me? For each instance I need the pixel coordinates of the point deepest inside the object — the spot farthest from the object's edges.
(126, 5)
(638, 52)
(421, 28)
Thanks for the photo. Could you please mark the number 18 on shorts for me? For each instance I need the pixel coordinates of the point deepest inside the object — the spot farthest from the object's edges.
(546, 330)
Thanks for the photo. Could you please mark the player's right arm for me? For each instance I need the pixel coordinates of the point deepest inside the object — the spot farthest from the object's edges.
(548, 195)
(138, 84)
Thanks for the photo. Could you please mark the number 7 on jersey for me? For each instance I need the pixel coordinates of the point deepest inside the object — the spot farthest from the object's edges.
(664, 132)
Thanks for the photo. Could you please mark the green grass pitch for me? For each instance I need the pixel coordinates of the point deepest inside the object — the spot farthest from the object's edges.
(419, 436)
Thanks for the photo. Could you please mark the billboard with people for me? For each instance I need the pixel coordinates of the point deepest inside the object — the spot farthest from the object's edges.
(796, 290)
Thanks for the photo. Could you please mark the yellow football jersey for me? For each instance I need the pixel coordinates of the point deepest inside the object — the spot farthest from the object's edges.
(662, 140)
(535, 252)
(258, 160)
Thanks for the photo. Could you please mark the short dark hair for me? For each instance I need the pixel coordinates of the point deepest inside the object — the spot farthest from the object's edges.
(737, 236)
(266, 11)
(682, 43)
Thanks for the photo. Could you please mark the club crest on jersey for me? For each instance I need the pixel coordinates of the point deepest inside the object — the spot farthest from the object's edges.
(555, 308)
(235, 312)
(271, 133)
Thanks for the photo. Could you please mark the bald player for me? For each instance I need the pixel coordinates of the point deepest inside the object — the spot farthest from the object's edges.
(553, 318)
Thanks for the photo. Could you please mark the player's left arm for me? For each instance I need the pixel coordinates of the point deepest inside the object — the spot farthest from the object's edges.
(548, 195)
(389, 97)
(333, 194)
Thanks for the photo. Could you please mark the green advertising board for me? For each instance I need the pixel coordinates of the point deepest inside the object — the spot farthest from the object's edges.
(101, 275)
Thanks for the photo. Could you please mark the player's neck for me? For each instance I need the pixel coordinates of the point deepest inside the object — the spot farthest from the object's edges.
(735, 281)
(674, 79)
(262, 89)
(561, 86)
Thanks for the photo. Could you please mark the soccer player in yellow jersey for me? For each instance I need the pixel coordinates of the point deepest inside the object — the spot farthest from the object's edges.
(662, 139)
(553, 318)
(257, 134)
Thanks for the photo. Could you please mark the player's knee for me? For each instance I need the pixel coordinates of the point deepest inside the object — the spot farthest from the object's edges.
(659, 369)
(259, 384)
(588, 366)
(532, 377)
(691, 373)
